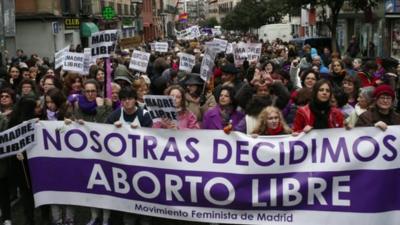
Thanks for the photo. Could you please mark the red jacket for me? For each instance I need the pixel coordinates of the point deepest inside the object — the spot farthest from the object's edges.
(305, 117)
(366, 80)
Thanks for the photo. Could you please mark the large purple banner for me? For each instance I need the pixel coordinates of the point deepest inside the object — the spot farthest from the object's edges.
(209, 176)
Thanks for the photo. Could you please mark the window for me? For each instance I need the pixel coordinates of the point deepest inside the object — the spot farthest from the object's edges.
(126, 9)
(66, 6)
(112, 4)
(395, 36)
(119, 8)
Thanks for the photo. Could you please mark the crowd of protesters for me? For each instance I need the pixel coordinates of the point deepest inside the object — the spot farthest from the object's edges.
(286, 91)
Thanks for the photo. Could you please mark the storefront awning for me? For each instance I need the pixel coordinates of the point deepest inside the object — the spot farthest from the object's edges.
(88, 28)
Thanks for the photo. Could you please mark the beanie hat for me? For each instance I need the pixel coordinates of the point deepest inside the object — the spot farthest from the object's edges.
(384, 89)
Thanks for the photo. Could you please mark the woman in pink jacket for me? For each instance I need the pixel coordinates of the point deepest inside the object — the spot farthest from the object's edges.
(186, 119)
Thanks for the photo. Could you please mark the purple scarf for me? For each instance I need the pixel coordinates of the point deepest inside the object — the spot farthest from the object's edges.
(72, 98)
(87, 106)
(51, 115)
(116, 105)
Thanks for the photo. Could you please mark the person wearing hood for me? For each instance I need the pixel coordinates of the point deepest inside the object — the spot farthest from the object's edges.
(230, 78)
(197, 101)
(122, 76)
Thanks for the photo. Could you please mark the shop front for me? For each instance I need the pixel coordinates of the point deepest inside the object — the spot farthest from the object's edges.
(392, 14)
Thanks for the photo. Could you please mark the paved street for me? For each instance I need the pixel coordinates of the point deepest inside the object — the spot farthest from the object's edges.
(82, 216)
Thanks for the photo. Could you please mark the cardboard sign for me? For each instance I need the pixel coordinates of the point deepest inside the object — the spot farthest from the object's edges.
(161, 46)
(194, 32)
(186, 62)
(153, 47)
(229, 48)
(251, 51)
(188, 33)
(221, 44)
(59, 57)
(17, 139)
(213, 46)
(207, 64)
(87, 60)
(103, 43)
(161, 106)
(139, 61)
(74, 62)
(131, 42)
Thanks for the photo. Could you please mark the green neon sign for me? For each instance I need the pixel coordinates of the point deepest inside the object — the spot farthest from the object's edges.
(108, 13)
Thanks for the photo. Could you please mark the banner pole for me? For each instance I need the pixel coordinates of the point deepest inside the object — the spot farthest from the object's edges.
(25, 174)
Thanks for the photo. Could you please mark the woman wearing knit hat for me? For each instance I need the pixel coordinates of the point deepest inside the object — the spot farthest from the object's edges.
(382, 114)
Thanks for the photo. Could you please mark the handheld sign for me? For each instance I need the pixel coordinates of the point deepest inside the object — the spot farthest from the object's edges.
(194, 32)
(87, 60)
(17, 139)
(153, 47)
(221, 44)
(103, 43)
(186, 62)
(74, 62)
(213, 46)
(139, 61)
(188, 33)
(59, 57)
(161, 47)
(229, 48)
(207, 64)
(251, 51)
(161, 106)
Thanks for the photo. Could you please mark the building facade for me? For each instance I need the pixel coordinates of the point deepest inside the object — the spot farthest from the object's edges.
(220, 8)
(392, 28)
(43, 27)
(195, 9)
(212, 9)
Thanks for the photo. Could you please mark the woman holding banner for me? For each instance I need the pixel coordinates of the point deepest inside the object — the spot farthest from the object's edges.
(5, 205)
(55, 109)
(271, 122)
(91, 108)
(186, 119)
(24, 111)
(318, 114)
(133, 115)
(382, 113)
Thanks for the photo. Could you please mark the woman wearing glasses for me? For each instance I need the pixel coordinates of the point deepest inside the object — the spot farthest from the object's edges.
(91, 108)
(382, 113)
